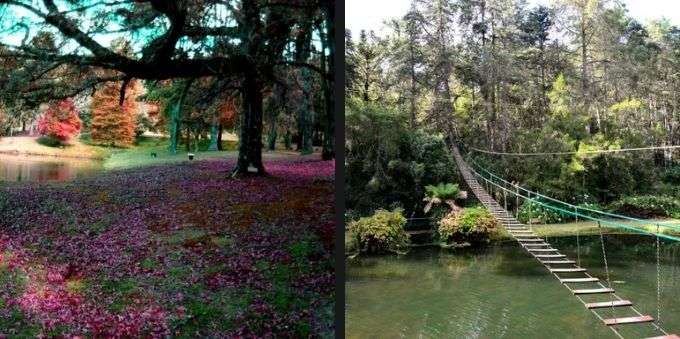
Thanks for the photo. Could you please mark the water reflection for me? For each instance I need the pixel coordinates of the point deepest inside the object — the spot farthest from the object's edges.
(501, 292)
(35, 168)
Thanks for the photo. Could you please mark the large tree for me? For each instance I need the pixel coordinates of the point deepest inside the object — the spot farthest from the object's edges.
(185, 39)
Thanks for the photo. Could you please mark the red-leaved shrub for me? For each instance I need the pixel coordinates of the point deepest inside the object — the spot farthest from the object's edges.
(60, 121)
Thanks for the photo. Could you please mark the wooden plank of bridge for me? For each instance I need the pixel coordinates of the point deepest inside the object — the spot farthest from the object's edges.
(578, 280)
(542, 250)
(567, 270)
(628, 320)
(606, 304)
(554, 262)
(535, 245)
(593, 291)
(549, 255)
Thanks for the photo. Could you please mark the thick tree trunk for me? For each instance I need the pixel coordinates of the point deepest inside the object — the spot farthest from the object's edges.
(288, 140)
(250, 143)
(220, 130)
(175, 118)
(213, 137)
(174, 127)
(271, 138)
(305, 115)
(328, 149)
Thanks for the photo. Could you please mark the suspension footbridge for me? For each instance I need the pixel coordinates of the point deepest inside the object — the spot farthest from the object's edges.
(595, 294)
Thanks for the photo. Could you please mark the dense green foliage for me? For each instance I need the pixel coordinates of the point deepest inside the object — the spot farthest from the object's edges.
(381, 232)
(473, 225)
(49, 141)
(648, 206)
(572, 76)
(387, 163)
(538, 211)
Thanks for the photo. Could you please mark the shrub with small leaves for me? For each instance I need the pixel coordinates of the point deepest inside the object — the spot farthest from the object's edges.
(381, 232)
(536, 211)
(647, 206)
(473, 225)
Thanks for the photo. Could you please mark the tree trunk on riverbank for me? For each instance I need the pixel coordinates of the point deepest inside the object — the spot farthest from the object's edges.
(250, 143)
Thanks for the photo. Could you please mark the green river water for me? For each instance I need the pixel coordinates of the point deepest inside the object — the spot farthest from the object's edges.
(502, 292)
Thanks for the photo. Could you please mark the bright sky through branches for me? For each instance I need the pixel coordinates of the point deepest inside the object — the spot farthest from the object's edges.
(369, 15)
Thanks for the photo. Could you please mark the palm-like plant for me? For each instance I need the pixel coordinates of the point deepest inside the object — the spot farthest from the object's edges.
(446, 193)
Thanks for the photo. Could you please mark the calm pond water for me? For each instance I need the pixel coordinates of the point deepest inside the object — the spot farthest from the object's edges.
(502, 292)
(35, 168)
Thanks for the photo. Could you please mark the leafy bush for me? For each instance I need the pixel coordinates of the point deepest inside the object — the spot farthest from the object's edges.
(60, 121)
(384, 231)
(646, 206)
(49, 141)
(474, 225)
(387, 162)
(672, 175)
(535, 210)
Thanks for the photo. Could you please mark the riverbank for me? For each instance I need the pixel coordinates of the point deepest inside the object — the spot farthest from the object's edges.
(147, 151)
(171, 250)
(29, 146)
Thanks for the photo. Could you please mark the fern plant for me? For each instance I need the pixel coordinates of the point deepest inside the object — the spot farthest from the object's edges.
(446, 193)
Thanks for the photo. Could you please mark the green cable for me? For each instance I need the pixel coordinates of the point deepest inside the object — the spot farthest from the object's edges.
(664, 224)
(614, 224)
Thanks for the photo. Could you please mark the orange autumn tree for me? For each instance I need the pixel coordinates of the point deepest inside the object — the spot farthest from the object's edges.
(114, 124)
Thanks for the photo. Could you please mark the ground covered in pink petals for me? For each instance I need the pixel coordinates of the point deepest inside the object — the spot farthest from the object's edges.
(179, 250)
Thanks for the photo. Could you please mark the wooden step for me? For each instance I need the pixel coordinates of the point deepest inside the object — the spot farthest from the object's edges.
(628, 320)
(606, 304)
(535, 245)
(542, 250)
(670, 336)
(567, 270)
(555, 262)
(530, 240)
(549, 255)
(593, 291)
(578, 280)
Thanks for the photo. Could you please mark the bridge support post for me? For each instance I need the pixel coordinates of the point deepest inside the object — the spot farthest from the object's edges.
(516, 201)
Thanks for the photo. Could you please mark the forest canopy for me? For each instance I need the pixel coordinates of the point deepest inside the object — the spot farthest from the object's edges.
(501, 75)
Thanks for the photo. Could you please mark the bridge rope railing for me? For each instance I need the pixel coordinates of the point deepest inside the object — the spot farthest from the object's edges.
(574, 210)
(614, 150)
(583, 208)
